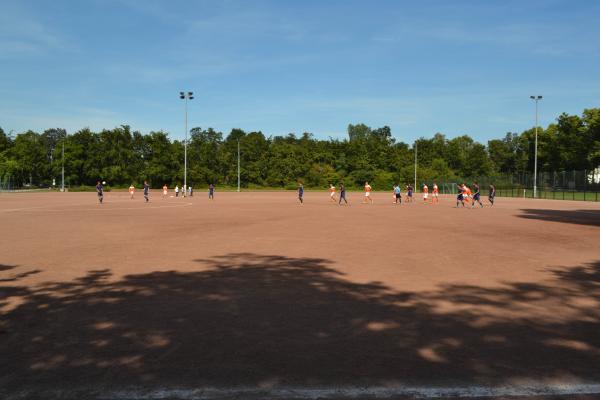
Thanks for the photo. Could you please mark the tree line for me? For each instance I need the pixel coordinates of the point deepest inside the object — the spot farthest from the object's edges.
(122, 156)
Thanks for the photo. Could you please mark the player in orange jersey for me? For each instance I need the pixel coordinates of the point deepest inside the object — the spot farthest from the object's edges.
(434, 195)
(131, 191)
(368, 193)
(425, 193)
(468, 195)
(332, 193)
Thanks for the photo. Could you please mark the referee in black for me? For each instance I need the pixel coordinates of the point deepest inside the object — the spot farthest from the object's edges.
(146, 190)
(100, 191)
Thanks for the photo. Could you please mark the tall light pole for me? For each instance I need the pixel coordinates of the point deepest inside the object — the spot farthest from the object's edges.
(238, 143)
(185, 96)
(52, 166)
(415, 188)
(62, 185)
(536, 99)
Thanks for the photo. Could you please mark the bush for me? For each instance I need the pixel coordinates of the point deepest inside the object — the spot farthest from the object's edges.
(383, 180)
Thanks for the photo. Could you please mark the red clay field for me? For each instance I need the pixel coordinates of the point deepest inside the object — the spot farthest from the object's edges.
(253, 295)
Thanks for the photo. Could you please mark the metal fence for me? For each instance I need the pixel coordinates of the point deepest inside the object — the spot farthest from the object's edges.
(558, 185)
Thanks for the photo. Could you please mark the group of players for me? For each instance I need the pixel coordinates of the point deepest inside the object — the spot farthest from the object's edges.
(165, 191)
(464, 194)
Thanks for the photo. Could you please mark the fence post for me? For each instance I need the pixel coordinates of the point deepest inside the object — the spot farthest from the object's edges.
(584, 183)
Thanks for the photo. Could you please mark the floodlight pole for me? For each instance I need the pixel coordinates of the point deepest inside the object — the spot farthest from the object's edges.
(185, 96)
(536, 99)
(238, 171)
(416, 149)
(62, 185)
(185, 151)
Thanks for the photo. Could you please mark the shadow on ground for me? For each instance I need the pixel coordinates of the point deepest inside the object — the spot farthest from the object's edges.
(5, 267)
(581, 217)
(268, 320)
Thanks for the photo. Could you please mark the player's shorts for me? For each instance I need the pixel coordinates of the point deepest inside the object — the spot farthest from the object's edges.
(425, 195)
(165, 192)
(398, 196)
(460, 197)
(367, 194)
(476, 197)
(435, 194)
(409, 194)
(331, 194)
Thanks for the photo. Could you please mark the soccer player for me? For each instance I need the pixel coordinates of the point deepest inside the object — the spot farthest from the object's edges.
(368, 193)
(467, 194)
(176, 190)
(342, 194)
(165, 190)
(461, 195)
(409, 193)
(100, 192)
(191, 192)
(332, 193)
(211, 191)
(476, 195)
(300, 192)
(434, 195)
(146, 191)
(397, 195)
(131, 191)
(425, 193)
(492, 194)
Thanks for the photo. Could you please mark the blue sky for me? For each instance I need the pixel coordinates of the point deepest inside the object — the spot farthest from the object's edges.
(456, 67)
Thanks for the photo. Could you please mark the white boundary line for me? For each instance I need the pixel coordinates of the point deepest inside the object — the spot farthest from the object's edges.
(356, 392)
(314, 393)
(98, 208)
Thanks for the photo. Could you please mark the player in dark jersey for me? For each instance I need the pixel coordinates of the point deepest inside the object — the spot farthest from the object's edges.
(342, 194)
(100, 192)
(492, 194)
(460, 198)
(300, 192)
(146, 190)
(476, 195)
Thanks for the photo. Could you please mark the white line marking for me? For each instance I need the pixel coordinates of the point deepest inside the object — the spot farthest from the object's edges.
(134, 393)
(98, 208)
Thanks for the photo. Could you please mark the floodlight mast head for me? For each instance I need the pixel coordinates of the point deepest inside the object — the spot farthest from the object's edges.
(181, 95)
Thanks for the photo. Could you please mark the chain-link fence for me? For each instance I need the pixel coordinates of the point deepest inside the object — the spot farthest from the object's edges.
(559, 185)
(8, 183)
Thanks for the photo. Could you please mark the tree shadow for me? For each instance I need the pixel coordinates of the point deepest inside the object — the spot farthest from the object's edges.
(263, 321)
(581, 217)
(21, 275)
(5, 267)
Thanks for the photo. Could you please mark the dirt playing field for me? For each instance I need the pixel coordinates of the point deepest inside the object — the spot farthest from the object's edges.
(256, 291)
